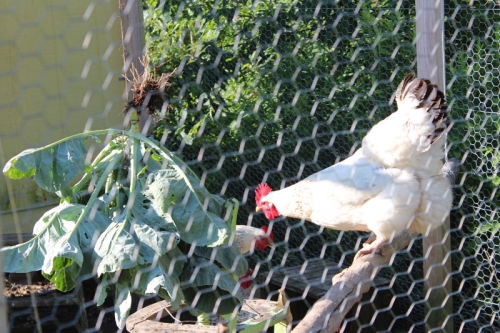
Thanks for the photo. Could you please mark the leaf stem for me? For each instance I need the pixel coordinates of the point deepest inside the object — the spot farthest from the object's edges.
(107, 189)
(135, 125)
(97, 188)
(88, 175)
(134, 161)
(166, 154)
(91, 201)
(83, 135)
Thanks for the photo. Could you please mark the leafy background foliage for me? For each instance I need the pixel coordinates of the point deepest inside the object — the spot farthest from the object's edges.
(277, 90)
(472, 33)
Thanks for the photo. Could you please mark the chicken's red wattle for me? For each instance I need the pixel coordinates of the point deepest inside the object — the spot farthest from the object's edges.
(246, 280)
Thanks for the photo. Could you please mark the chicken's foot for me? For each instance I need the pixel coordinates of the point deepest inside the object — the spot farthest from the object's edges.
(373, 245)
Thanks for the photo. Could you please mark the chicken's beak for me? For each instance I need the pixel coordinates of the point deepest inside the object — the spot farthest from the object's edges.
(258, 209)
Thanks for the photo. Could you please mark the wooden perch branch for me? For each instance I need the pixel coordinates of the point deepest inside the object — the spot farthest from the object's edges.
(348, 287)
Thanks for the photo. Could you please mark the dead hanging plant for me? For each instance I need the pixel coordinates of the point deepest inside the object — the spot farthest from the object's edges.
(148, 91)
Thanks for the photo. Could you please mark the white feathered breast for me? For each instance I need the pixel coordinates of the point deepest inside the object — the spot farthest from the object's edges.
(392, 183)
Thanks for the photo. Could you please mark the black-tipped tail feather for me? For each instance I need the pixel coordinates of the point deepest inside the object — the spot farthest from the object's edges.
(430, 98)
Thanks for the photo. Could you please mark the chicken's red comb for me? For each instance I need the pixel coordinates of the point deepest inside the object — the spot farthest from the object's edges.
(261, 191)
(271, 235)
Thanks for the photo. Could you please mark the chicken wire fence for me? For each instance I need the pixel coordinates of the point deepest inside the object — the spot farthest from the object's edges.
(243, 93)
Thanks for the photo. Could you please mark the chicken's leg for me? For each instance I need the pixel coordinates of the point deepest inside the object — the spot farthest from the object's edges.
(377, 245)
(373, 244)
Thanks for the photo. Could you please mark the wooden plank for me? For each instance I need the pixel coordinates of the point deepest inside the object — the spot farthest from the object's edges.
(140, 320)
(264, 314)
(134, 47)
(312, 279)
(436, 246)
(14, 239)
(49, 299)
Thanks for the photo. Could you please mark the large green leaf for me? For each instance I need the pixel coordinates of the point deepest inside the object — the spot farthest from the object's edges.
(143, 211)
(64, 274)
(165, 276)
(101, 292)
(63, 262)
(55, 238)
(227, 255)
(160, 242)
(170, 194)
(123, 304)
(115, 248)
(161, 278)
(53, 166)
(210, 290)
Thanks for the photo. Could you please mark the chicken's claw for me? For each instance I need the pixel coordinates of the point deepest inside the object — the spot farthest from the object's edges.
(372, 245)
(370, 240)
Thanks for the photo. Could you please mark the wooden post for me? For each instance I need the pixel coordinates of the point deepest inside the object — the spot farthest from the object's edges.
(132, 24)
(436, 246)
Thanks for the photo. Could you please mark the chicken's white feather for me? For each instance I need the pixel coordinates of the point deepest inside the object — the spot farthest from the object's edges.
(392, 183)
(412, 136)
(346, 195)
(246, 237)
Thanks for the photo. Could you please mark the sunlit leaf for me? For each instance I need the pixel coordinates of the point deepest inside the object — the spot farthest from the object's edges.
(52, 166)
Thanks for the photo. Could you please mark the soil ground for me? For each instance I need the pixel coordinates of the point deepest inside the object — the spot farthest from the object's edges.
(58, 312)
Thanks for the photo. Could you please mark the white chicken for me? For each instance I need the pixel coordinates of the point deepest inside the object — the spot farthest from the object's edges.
(394, 182)
(248, 238)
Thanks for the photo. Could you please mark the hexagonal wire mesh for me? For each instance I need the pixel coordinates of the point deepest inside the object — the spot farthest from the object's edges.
(274, 91)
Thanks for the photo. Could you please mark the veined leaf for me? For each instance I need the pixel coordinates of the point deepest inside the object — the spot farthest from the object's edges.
(52, 166)
(115, 249)
(51, 241)
(210, 290)
(63, 262)
(123, 304)
(122, 281)
(165, 276)
(65, 247)
(143, 211)
(161, 278)
(64, 274)
(200, 228)
(170, 194)
(159, 241)
(227, 255)
(102, 288)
